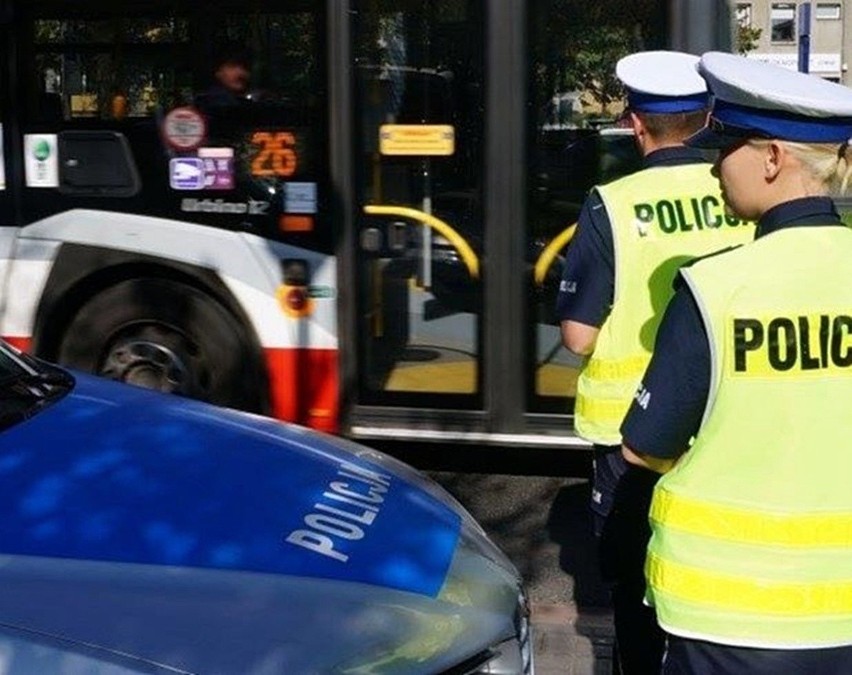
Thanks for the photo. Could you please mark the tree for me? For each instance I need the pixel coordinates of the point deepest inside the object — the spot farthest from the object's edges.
(591, 62)
(577, 43)
(746, 38)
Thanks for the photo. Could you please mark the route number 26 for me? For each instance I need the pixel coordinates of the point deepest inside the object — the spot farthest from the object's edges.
(276, 155)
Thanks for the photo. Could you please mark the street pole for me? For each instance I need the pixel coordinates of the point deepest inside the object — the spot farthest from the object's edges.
(804, 37)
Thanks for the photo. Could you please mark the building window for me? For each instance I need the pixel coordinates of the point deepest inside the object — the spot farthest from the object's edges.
(744, 14)
(827, 11)
(782, 17)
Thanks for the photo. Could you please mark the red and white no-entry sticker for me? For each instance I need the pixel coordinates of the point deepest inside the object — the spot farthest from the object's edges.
(184, 128)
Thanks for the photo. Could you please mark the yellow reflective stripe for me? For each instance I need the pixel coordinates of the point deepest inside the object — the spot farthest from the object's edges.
(758, 596)
(610, 369)
(751, 526)
(602, 409)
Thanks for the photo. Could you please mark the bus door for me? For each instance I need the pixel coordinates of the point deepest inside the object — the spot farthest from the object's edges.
(479, 130)
(419, 165)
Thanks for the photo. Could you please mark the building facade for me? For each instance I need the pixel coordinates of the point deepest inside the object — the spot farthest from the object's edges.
(780, 25)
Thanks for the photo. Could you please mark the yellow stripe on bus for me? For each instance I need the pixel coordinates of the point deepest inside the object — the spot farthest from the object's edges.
(459, 377)
(455, 377)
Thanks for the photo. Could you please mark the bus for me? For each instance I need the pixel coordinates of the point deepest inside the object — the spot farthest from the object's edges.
(346, 214)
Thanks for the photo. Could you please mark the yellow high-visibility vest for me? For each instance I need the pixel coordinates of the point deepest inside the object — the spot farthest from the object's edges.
(661, 217)
(752, 540)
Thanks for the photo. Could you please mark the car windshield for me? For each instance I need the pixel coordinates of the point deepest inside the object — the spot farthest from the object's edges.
(12, 362)
(28, 385)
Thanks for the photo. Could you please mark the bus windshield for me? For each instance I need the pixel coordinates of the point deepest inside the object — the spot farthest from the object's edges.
(222, 107)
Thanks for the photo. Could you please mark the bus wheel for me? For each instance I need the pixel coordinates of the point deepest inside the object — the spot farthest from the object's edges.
(168, 336)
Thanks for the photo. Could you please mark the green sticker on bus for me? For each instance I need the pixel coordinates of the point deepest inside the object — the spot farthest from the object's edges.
(320, 292)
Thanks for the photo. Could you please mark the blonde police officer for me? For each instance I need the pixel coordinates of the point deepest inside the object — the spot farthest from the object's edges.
(632, 236)
(750, 564)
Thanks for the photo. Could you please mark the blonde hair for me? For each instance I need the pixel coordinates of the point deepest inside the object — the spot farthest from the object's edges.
(829, 163)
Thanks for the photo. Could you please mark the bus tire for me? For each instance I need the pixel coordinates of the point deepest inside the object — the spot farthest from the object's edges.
(169, 336)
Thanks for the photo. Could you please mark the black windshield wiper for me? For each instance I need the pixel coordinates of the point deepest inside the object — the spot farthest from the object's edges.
(43, 384)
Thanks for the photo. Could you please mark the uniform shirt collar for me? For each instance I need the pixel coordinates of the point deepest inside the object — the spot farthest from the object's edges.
(673, 156)
(807, 211)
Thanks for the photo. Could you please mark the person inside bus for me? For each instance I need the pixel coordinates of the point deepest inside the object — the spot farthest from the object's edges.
(632, 235)
(227, 104)
(745, 403)
(231, 79)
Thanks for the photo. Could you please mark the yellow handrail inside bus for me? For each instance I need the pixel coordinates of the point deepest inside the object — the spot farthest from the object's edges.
(548, 255)
(468, 255)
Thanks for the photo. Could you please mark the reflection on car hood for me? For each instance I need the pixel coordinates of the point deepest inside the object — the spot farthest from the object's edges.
(116, 473)
(147, 531)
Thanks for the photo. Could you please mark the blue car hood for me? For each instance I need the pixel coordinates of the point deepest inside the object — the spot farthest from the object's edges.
(115, 473)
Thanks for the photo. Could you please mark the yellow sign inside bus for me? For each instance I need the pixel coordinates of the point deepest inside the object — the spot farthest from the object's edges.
(417, 140)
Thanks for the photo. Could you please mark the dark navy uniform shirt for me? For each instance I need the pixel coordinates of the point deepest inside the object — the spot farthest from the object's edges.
(588, 278)
(678, 377)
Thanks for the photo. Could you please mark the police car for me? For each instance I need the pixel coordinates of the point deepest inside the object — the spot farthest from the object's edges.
(146, 533)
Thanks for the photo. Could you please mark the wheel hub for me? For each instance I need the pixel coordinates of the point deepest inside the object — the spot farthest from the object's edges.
(148, 364)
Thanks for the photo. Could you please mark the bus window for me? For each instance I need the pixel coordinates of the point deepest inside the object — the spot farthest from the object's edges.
(577, 142)
(223, 108)
(107, 68)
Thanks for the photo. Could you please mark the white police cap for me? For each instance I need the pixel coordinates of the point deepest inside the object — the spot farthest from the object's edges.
(662, 82)
(752, 99)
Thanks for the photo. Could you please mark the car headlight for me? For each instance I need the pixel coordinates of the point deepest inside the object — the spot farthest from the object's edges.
(510, 657)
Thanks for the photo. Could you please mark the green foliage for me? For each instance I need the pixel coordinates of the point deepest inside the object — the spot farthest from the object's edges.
(591, 65)
(577, 43)
(747, 38)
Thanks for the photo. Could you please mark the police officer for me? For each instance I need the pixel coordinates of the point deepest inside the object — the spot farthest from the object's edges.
(750, 564)
(632, 236)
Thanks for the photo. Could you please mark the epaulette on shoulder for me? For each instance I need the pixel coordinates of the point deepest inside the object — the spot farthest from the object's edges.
(710, 255)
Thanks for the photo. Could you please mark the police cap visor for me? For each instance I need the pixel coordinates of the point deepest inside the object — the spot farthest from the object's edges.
(719, 135)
